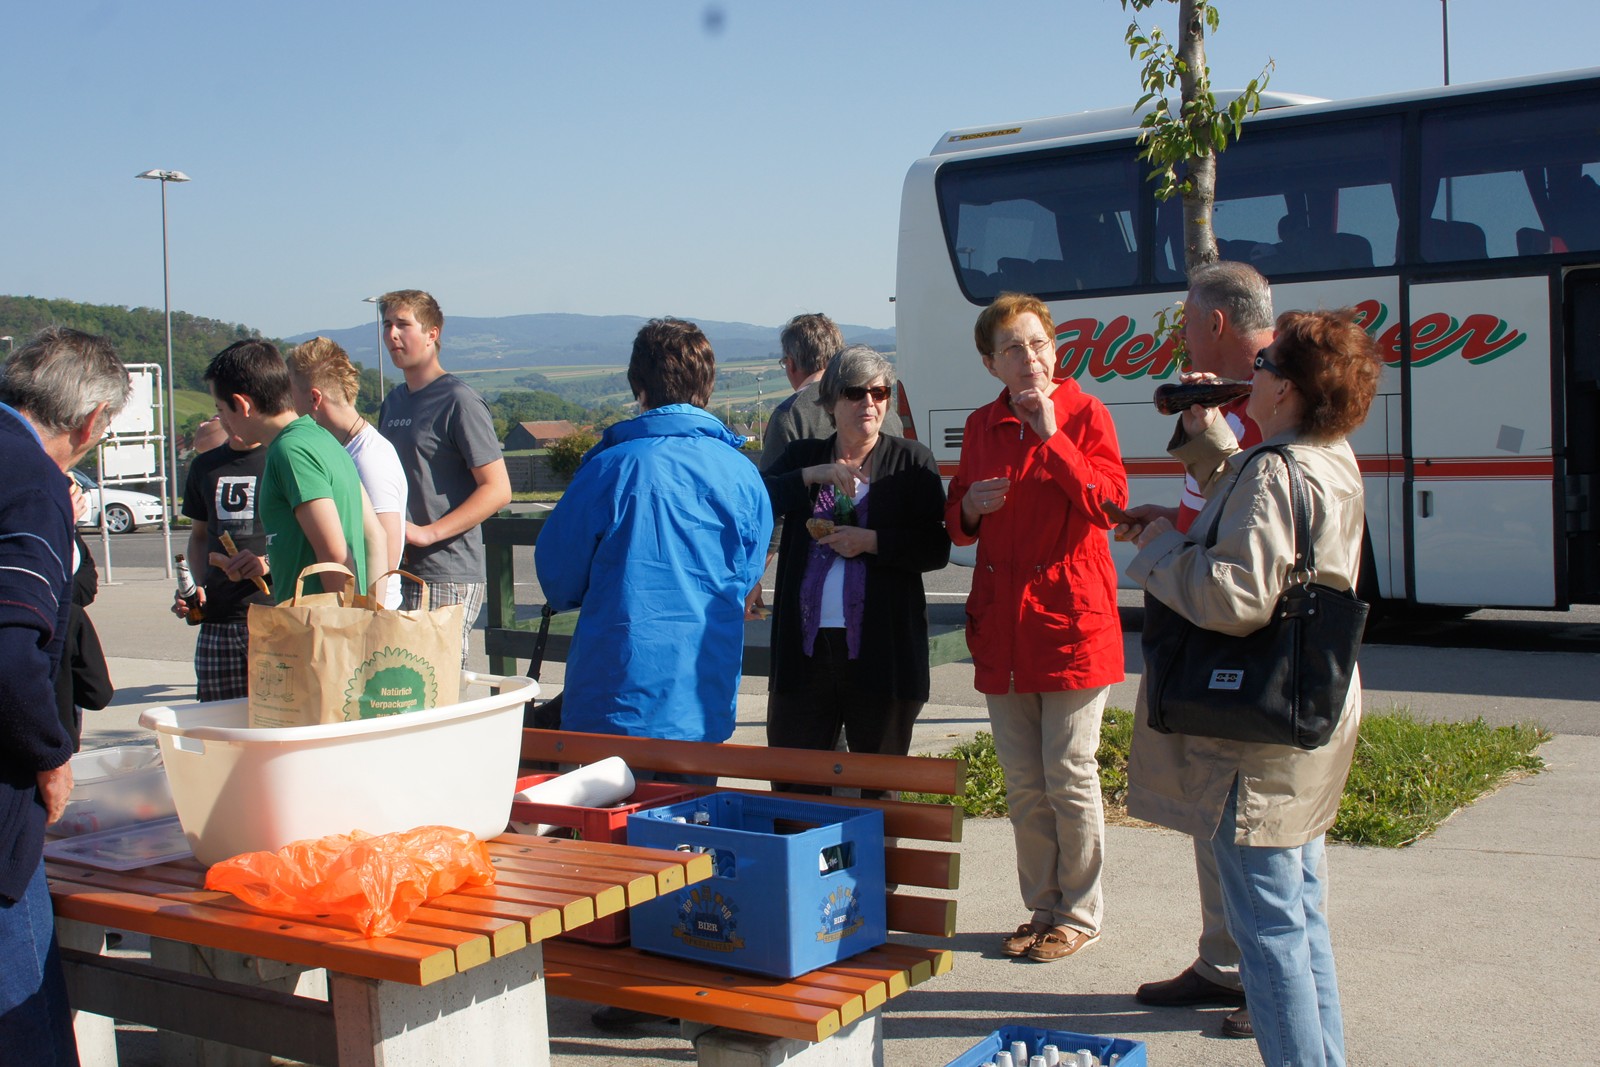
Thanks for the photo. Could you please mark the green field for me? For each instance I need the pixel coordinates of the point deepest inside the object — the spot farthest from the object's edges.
(191, 403)
(773, 386)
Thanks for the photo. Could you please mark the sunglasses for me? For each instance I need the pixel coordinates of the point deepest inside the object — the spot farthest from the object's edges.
(855, 393)
(1263, 363)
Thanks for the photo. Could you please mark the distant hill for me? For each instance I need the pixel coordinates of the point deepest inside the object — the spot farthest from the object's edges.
(510, 341)
(139, 334)
(546, 340)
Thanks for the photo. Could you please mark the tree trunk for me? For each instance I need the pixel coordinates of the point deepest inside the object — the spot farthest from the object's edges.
(1199, 239)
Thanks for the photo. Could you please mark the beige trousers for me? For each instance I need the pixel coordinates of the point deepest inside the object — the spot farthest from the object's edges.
(1219, 956)
(1046, 743)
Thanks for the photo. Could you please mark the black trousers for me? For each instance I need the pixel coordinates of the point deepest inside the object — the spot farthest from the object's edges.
(839, 695)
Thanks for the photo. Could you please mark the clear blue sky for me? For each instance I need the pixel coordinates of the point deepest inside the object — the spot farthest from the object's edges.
(595, 157)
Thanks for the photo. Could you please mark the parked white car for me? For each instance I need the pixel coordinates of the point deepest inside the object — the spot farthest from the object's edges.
(125, 511)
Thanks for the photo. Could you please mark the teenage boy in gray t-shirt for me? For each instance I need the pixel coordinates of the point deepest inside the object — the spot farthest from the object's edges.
(455, 473)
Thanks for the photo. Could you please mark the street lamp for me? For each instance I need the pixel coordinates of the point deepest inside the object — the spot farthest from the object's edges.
(377, 309)
(165, 176)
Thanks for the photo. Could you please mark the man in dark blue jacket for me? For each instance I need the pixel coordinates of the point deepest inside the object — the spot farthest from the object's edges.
(58, 395)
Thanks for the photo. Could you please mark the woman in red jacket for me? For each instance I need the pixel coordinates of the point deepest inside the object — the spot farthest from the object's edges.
(1042, 618)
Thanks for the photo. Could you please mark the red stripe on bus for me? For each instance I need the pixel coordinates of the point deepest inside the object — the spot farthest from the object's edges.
(1479, 468)
(1485, 468)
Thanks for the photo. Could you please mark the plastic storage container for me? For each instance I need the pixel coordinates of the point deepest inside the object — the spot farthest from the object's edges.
(1128, 1053)
(598, 824)
(113, 787)
(797, 885)
(243, 790)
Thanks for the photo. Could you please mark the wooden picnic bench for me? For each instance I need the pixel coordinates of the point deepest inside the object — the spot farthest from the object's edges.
(731, 1015)
(460, 982)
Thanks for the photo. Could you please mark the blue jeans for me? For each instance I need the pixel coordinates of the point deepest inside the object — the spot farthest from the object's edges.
(1276, 900)
(35, 1021)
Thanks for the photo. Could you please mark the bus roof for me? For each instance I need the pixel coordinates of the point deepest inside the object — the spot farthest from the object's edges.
(1121, 119)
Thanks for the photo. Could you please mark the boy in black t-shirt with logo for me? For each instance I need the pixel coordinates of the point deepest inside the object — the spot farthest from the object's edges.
(219, 496)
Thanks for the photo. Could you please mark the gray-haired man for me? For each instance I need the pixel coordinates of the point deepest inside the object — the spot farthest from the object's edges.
(58, 395)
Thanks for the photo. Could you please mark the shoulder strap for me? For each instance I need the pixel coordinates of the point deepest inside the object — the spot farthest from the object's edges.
(1304, 569)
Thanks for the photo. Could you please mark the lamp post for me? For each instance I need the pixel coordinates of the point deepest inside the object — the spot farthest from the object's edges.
(165, 176)
(1444, 14)
(377, 309)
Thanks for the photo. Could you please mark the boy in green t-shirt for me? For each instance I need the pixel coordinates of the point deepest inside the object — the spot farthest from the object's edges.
(310, 495)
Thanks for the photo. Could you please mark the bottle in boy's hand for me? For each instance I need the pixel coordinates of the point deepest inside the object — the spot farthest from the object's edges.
(189, 593)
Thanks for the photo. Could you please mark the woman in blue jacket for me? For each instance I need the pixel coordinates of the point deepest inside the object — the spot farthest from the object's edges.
(659, 538)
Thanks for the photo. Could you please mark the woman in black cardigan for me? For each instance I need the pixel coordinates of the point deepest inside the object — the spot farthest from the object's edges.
(863, 519)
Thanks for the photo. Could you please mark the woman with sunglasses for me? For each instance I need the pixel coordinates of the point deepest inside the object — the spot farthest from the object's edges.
(1266, 807)
(1042, 623)
(863, 519)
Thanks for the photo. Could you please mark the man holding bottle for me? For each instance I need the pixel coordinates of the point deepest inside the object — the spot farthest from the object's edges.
(1227, 319)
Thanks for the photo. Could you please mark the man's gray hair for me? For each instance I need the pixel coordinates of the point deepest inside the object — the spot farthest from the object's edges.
(1237, 290)
(856, 365)
(810, 341)
(61, 375)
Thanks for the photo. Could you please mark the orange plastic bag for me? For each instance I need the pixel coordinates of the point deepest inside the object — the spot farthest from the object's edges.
(375, 882)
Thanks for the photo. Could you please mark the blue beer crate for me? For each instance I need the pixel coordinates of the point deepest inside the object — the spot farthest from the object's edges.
(1128, 1053)
(797, 885)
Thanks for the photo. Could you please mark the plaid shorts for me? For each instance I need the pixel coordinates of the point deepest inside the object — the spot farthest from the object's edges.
(443, 594)
(221, 660)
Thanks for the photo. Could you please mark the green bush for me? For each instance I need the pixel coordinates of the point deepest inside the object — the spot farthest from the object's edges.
(563, 455)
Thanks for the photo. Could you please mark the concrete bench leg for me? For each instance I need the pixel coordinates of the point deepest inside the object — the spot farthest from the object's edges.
(97, 1035)
(181, 1050)
(859, 1044)
(492, 1013)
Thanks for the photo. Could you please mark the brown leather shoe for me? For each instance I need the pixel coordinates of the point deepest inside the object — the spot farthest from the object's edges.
(1187, 989)
(1237, 1024)
(1059, 942)
(1019, 943)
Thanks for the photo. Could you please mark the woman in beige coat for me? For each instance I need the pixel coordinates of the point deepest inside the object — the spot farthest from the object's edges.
(1266, 807)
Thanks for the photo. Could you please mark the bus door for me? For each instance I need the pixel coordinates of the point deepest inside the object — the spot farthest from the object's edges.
(1581, 509)
(1481, 467)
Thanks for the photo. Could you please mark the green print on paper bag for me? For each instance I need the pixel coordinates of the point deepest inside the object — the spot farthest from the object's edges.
(391, 682)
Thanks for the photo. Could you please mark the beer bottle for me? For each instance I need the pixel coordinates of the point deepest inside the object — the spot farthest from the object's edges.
(844, 510)
(1174, 398)
(188, 593)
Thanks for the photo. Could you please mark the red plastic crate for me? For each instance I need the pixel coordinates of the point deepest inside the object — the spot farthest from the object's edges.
(599, 824)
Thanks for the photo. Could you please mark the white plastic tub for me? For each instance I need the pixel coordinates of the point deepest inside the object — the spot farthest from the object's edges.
(243, 790)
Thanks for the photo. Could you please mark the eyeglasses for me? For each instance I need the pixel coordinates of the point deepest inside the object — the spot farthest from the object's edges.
(783, 361)
(1036, 347)
(855, 393)
(1263, 363)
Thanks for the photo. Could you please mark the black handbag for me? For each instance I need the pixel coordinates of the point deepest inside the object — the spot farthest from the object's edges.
(1284, 684)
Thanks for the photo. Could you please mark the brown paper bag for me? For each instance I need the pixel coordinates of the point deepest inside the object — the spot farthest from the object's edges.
(326, 657)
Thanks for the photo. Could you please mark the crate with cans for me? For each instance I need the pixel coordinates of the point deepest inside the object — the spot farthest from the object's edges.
(1027, 1046)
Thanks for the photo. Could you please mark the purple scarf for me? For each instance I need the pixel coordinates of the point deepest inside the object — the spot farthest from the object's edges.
(818, 562)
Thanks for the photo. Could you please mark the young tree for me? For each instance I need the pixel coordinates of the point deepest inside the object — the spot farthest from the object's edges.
(1191, 136)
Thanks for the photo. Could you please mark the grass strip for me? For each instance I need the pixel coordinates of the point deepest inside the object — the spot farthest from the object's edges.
(1408, 776)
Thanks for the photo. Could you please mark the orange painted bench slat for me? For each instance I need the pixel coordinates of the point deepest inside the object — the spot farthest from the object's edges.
(471, 947)
(385, 959)
(453, 932)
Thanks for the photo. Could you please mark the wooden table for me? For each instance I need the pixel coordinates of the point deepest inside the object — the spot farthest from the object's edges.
(462, 982)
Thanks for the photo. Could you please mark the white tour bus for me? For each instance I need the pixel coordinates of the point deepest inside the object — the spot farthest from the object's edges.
(1463, 222)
